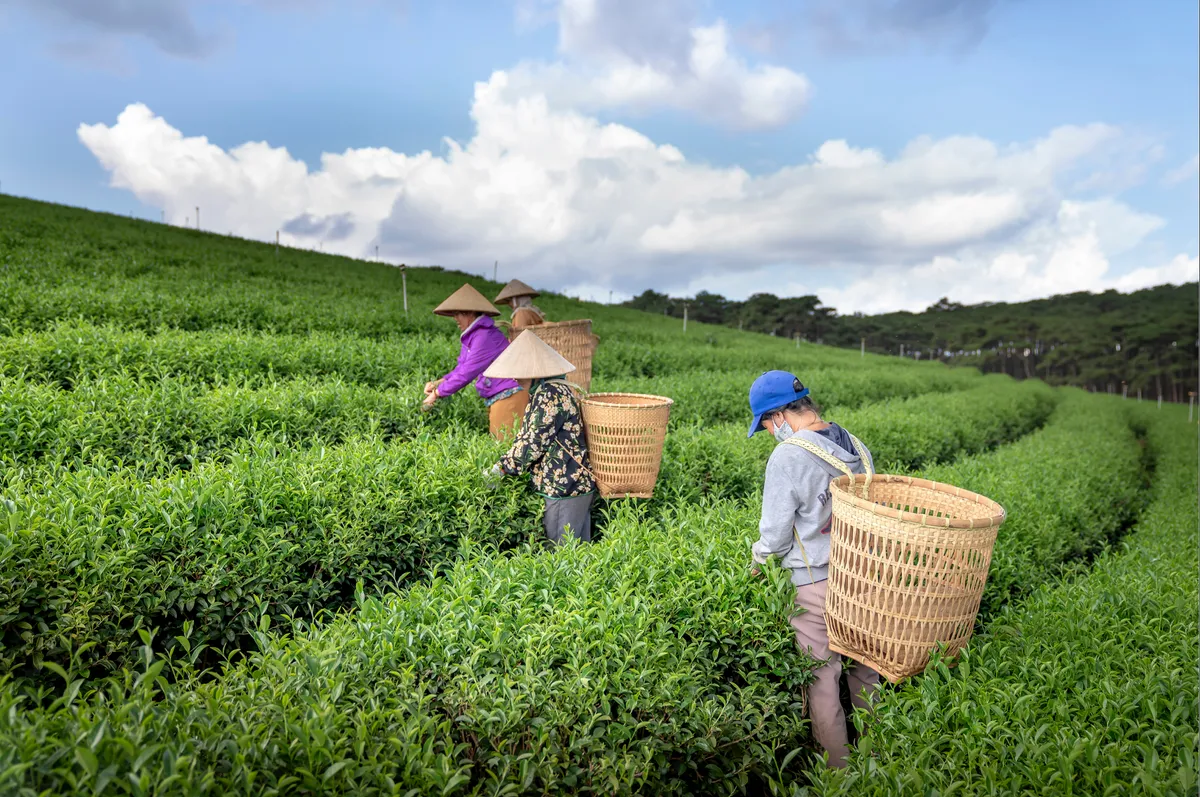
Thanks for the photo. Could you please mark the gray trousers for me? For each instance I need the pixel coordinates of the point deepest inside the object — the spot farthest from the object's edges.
(574, 512)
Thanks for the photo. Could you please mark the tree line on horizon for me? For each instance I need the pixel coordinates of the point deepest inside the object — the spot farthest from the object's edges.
(1105, 342)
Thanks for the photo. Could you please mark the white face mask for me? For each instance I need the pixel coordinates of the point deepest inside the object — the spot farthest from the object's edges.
(784, 430)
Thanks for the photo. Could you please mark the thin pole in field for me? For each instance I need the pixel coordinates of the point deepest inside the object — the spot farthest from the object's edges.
(277, 243)
(685, 318)
(495, 270)
(197, 217)
(1160, 401)
(1191, 401)
(1124, 391)
(404, 285)
(862, 350)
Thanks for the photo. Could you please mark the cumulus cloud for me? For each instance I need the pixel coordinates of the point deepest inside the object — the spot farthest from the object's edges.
(571, 204)
(637, 56)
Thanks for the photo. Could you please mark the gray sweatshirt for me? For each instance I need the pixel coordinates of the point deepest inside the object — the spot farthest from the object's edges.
(796, 496)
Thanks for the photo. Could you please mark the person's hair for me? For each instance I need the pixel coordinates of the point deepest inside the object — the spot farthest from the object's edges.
(799, 405)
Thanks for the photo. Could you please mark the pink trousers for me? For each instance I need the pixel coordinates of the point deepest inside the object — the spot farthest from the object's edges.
(824, 698)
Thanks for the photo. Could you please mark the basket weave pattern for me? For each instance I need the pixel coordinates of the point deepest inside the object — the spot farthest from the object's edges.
(908, 562)
(574, 341)
(625, 434)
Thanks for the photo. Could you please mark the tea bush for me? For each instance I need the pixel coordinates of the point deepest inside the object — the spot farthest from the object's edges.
(649, 662)
(98, 536)
(1088, 687)
(167, 423)
(1097, 489)
(99, 552)
(157, 426)
(722, 396)
(718, 461)
(70, 351)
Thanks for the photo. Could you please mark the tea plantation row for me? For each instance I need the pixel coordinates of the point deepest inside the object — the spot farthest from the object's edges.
(71, 350)
(93, 553)
(160, 424)
(650, 661)
(1088, 687)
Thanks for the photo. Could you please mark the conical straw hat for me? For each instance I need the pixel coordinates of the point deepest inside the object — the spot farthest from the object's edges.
(515, 288)
(528, 357)
(466, 300)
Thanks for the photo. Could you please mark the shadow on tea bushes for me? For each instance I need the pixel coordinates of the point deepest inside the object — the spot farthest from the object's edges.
(90, 556)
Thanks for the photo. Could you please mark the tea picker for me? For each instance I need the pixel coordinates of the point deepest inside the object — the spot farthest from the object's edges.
(551, 444)
(795, 526)
(520, 296)
(482, 343)
(888, 568)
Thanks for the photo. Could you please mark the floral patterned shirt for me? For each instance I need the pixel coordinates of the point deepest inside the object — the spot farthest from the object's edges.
(551, 443)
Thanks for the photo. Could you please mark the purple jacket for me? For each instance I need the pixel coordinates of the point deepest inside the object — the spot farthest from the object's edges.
(481, 344)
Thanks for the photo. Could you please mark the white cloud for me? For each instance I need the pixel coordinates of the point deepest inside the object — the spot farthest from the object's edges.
(568, 203)
(638, 56)
(1184, 172)
(1063, 254)
(1180, 270)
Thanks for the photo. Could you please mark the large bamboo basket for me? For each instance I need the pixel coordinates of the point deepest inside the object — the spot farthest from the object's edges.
(908, 561)
(625, 434)
(573, 340)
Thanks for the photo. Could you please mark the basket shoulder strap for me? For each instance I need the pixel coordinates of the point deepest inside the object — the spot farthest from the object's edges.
(820, 453)
(579, 391)
(864, 456)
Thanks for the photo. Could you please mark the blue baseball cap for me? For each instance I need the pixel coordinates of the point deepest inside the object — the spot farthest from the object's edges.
(773, 390)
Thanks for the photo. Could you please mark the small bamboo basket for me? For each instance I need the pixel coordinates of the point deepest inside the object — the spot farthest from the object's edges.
(625, 434)
(573, 340)
(908, 562)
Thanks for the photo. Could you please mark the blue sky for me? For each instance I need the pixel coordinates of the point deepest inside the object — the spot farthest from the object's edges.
(740, 204)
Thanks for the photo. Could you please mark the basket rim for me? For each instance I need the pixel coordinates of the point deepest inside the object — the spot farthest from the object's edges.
(839, 485)
(570, 322)
(660, 401)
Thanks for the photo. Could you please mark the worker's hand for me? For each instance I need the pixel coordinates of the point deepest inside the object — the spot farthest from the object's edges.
(429, 401)
(432, 386)
(492, 477)
(755, 571)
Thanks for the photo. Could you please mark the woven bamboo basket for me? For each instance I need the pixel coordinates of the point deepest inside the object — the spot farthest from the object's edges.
(625, 434)
(908, 561)
(574, 341)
